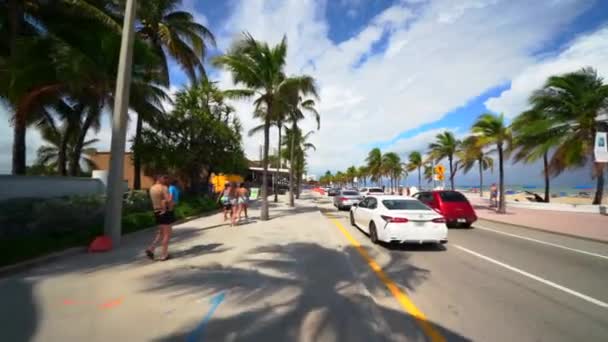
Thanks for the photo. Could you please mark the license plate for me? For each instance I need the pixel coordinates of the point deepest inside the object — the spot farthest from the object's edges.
(461, 220)
(419, 223)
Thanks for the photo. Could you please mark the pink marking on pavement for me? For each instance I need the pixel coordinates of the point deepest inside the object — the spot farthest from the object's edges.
(111, 304)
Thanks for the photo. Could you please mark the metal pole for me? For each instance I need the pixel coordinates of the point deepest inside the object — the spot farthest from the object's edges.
(115, 183)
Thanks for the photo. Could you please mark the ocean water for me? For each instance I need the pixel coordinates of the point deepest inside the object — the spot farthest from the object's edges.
(558, 190)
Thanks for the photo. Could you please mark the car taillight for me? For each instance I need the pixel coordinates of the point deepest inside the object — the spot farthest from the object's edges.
(390, 219)
(439, 220)
(342, 199)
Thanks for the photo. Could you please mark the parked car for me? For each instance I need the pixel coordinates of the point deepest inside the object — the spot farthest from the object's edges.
(370, 191)
(398, 219)
(346, 199)
(453, 205)
(333, 191)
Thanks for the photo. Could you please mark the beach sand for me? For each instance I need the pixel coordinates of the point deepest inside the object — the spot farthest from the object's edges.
(522, 197)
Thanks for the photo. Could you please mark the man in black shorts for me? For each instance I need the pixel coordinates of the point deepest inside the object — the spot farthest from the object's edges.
(163, 213)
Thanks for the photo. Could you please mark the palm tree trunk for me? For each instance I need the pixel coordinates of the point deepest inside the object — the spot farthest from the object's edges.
(291, 164)
(137, 156)
(480, 178)
(264, 190)
(599, 191)
(502, 208)
(546, 174)
(15, 17)
(451, 173)
(62, 154)
(74, 166)
(276, 173)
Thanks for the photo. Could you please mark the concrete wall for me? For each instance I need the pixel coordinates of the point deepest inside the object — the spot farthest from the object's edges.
(46, 187)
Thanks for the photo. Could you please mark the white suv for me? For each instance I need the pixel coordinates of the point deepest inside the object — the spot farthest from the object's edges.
(371, 191)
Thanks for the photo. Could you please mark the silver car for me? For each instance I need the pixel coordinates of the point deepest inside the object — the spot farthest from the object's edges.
(344, 199)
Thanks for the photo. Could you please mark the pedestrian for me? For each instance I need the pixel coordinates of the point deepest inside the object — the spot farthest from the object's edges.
(493, 195)
(233, 197)
(163, 214)
(243, 200)
(224, 199)
(174, 191)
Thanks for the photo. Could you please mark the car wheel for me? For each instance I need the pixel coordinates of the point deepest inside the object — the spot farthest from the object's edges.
(373, 235)
(352, 220)
(466, 225)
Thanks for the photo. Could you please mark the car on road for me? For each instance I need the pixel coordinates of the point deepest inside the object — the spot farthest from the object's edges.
(333, 191)
(453, 205)
(398, 219)
(370, 191)
(346, 199)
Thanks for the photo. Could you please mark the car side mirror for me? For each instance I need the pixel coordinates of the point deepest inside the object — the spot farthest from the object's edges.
(355, 204)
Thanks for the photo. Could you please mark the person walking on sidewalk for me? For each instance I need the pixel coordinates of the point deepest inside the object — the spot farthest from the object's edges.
(163, 214)
(243, 199)
(174, 191)
(493, 195)
(233, 198)
(225, 200)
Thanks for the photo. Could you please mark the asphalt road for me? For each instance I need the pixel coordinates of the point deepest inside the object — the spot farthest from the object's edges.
(497, 282)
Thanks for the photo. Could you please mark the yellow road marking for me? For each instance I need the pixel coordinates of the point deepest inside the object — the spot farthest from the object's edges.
(400, 296)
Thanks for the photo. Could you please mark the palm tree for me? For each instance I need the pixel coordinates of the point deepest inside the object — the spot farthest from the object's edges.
(374, 164)
(175, 34)
(573, 102)
(391, 165)
(260, 69)
(415, 163)
(491, 130)
(56, 139)
(428, 172)
(533, 139)
(445, 146)
(363, 173)
(351, 174)
(472, 153)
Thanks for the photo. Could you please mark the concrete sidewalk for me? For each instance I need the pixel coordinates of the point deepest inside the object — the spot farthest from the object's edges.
(583, 225)
(287, 279)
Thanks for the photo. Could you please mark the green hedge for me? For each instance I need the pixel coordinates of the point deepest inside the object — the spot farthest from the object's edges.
(33, 227)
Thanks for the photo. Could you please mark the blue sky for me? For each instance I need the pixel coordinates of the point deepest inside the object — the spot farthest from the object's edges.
(394, 73)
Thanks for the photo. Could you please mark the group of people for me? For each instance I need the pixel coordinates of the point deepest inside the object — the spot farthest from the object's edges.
(234, 199)
(164, 195)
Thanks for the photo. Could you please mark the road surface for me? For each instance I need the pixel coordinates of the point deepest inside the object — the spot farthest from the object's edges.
(307, 275)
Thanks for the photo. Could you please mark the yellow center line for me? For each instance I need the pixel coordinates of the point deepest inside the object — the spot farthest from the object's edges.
(400, 296)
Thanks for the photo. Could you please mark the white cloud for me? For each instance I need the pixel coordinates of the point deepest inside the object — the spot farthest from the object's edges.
(587, 50)
(199, 17)
(435, 60)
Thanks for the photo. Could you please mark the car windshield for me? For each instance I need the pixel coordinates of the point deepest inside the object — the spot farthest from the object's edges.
(452, 196)
(350, 193)
(375, 190)
(404, 205)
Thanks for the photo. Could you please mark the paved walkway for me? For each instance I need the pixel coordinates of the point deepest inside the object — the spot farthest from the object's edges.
(590, 226)
(287, 279)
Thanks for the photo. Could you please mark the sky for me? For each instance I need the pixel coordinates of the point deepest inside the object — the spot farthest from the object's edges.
(395, 73)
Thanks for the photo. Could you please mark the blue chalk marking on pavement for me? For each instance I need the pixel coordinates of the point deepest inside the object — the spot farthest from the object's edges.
(215, 301)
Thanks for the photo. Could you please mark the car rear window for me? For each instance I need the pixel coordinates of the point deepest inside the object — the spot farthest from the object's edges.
(350, 193)
(375, 190)
(404, 205)
(452, 196)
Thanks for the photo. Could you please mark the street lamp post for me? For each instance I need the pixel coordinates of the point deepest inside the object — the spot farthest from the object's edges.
(115, 183)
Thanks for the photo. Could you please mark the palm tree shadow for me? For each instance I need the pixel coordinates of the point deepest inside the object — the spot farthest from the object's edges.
(321, 299)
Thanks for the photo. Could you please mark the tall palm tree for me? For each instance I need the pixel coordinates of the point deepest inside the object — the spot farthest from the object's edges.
(260, 69)
(491, 130)
(172, 34)
(533, 139)
(374, 164)
(363, 173)
(445, 146)
(573, 102)
(415, 163)
(351, 174)
(391, 165)
(428, 172)
(472, 153)
(55, 139)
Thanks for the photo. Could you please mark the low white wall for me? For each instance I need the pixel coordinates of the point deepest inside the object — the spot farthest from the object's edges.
(575, 208)
(47, 187)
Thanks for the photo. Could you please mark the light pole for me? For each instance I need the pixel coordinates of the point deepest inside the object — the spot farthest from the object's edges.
(115, 183)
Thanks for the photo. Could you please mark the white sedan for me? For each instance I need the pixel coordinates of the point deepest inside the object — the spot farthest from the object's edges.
(398, 219)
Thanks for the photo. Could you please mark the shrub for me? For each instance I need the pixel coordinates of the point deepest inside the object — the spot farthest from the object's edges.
(137, 221)
(136, 202)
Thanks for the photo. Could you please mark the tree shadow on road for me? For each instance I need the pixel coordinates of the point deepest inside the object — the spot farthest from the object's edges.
(296, 292)
(19, 309)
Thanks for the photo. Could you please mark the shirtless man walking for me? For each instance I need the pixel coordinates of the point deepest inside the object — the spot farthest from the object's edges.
(163, 213)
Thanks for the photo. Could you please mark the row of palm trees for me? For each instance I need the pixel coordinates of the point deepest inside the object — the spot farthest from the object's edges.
(58, 65)
(559, 128)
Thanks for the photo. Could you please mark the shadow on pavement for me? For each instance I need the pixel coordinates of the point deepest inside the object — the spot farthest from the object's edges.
(18, 309)
(296, 292)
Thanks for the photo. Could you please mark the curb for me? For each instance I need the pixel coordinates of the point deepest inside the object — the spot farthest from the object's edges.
(45, 259)
(545, 231)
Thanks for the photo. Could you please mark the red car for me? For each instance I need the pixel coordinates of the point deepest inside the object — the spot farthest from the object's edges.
(453, 205)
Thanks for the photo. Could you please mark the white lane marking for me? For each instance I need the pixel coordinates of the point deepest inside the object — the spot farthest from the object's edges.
(537, 278)
(544, 242)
